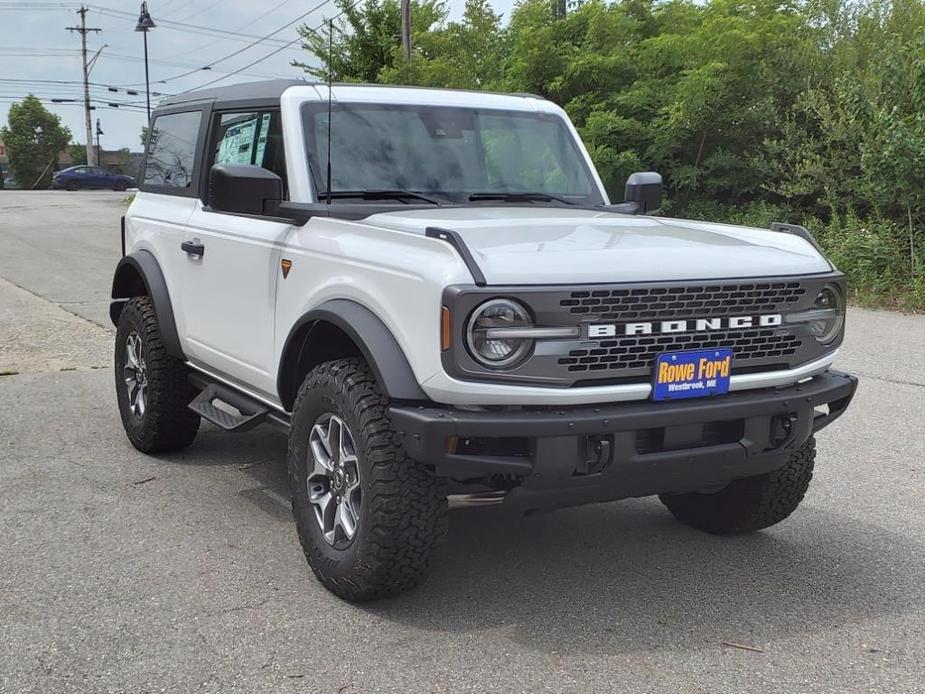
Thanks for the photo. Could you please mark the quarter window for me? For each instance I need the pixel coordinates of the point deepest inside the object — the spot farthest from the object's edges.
(253, 138)
(172, 150)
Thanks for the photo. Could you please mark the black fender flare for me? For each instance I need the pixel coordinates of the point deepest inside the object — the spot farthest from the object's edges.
(142, 264)
(372, 337)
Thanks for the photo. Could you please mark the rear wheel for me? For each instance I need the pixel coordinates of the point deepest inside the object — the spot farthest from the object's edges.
(749, 504)
(151, 386)
(72, 185)
(368, 517)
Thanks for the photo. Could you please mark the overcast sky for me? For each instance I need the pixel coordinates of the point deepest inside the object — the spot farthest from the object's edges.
(35, 46)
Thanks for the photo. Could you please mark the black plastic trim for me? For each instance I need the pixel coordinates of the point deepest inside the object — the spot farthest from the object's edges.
(456, 241)
(372, 337)
(425, 430)
(802, 232)
(144, 264)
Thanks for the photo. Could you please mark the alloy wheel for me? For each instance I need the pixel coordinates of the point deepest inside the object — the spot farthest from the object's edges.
(135, 375)
(334, 480)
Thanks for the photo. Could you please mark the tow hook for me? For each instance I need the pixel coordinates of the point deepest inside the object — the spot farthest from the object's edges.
(599, 454)
(782, 430)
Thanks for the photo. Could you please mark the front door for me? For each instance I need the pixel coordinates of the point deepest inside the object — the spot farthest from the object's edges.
(229, 306)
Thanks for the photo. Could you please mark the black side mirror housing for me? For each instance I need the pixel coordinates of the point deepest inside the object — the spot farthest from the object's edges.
(242, 188)
(645, 189)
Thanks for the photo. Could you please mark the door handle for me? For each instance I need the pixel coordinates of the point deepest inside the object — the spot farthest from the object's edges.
(193, 248)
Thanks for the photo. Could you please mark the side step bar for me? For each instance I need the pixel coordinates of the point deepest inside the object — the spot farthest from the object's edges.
(248, 411)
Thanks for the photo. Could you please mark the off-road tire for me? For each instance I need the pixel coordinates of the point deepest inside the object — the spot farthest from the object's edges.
(403, 506)
(167, 423)
(750, 504)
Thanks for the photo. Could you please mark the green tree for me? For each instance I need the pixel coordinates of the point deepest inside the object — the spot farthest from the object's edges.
(78, 153)
(34, 137)
(366, 39)
(810, 111)
(469, 54)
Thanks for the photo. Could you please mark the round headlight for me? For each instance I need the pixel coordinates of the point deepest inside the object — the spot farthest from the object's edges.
(829, 308)
(485, 333)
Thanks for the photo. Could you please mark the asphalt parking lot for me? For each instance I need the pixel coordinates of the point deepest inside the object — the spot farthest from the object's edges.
(182, 573)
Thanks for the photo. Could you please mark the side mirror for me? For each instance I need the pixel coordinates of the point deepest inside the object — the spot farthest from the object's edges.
(242, 188)
(645, 189)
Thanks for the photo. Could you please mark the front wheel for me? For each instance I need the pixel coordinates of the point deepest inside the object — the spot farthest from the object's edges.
(750, 504)
(151, 386)
(119, 186)
(368, 517)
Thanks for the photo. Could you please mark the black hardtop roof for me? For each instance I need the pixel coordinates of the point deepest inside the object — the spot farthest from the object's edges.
(268, 90)
(272, 90)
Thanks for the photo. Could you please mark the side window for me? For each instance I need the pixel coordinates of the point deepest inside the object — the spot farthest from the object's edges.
(172, 150)
(254, 138)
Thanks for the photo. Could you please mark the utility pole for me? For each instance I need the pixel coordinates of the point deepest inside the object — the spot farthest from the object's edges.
(83, 30)
(406, 29)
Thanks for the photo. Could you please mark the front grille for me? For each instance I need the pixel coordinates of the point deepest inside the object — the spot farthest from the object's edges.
(638, 352)
(663, 303)
(619, 358)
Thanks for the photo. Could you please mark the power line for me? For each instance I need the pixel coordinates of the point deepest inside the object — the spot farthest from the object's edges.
(211, 65)
(253, 21)
(278, 50)
(182, 26)
(71, 84)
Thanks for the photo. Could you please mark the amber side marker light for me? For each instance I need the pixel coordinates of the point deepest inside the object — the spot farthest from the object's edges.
(445, 330)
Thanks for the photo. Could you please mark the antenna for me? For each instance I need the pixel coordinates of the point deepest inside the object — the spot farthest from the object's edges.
(330, 79)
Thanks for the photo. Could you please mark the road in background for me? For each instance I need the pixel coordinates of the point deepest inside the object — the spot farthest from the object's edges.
(127, 573)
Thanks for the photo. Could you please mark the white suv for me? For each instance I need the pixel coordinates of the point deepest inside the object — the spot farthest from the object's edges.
(431, 292)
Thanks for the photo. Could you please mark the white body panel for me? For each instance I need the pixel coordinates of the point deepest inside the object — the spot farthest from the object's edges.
(234, 310)
(228, 305)
(537, 245)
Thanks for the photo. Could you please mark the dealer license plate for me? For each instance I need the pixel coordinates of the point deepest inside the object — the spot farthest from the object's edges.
(694, 374)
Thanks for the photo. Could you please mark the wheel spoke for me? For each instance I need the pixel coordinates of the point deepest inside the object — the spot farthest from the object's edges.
(345, 520)
(142, 397)
(321, 462)
(335, 439)
(131, 350)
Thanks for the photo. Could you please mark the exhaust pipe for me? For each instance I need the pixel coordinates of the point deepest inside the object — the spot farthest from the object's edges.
(455, 501)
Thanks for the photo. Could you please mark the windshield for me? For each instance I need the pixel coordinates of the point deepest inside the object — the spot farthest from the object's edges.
(445, 152)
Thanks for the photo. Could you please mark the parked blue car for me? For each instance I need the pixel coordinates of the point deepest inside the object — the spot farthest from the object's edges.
(77, 177)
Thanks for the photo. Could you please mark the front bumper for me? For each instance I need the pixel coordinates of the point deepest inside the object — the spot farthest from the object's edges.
(578, 455)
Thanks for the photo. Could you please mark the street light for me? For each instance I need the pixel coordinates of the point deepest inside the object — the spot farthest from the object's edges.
(99, 151)
(145, 23)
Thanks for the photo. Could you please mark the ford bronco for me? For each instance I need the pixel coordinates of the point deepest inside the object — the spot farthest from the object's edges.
(432, 293)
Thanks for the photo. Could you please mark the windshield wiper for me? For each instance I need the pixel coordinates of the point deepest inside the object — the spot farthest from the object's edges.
(380, 194)
(519, 197)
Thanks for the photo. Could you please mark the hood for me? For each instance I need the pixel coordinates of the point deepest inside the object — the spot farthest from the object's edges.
(555, 245)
